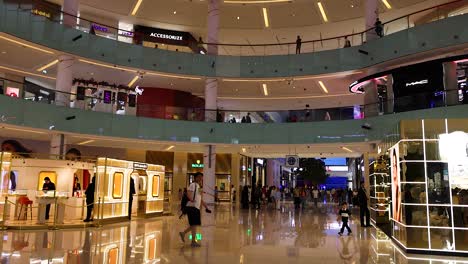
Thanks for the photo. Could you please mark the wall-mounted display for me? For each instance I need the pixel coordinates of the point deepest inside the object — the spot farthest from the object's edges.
(380, 191)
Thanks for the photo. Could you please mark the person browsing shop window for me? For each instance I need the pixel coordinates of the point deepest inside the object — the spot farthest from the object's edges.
(48, 186)
(194, 195)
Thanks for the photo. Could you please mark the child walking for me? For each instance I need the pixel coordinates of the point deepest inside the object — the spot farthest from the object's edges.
(345, 214)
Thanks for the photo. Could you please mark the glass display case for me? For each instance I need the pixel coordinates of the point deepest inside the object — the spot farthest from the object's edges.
(430, 185)
(113, 187)
(380, 191)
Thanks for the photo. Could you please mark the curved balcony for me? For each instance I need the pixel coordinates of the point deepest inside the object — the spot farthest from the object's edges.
(380, 124)
(406, 40)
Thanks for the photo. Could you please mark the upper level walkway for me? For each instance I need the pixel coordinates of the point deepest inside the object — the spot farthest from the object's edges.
(18, 21)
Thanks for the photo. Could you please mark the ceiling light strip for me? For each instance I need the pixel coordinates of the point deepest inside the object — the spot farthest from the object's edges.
(25, 130)
(174, 76)
(253, 80)
(324, 89)
(255, 1)
(27, 73)
(106, 66)
(265, 89)
(265, 17)
(132, 82)
(169, 148)
(387, 4)
(347, 149)
(137, 6)
(322, 11)
(26, 45)
(50, 64)
(86, 142)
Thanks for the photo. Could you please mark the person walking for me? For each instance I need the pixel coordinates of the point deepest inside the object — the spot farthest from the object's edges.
(194, 194)
(233, 193)
(90, 199)
(48, 186)
(378, 27)
(315, 196)
(363, 210)
(345, 214)
(245, 197)
(298, 44)
(216, 194)
(130, 198)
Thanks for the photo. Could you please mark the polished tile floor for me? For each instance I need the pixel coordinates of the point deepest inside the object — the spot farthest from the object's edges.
(228, 235)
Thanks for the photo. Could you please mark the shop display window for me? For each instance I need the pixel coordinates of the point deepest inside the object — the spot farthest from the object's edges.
(118, 179)
(461, 239)
(52, 176)
(414, 215)
(155, 191)
(417, 237)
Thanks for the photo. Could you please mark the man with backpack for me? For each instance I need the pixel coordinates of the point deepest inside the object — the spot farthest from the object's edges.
(194, 195)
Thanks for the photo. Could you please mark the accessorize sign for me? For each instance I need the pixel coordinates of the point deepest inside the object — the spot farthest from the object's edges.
(165, 36)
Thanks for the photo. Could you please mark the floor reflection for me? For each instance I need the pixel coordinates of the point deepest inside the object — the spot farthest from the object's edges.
(229, 235)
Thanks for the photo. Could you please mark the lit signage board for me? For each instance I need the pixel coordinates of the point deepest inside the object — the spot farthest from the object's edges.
(140, 166)
(198, 164)
(166, 36)
(41, 13)
(100, 28)
(453, 148)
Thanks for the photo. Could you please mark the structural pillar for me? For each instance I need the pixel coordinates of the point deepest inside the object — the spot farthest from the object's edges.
(371, 99)
(235, 174)
(70, 9)
(64, 76)
(179, 177)
(451, 83)
(211, 97)
(372, 12)
(58, 144)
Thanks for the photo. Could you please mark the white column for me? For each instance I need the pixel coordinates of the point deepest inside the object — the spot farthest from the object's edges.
(372, 12)
(70, 7)
(235, 173)
(209, 169)
(58, 144)
(451, 83)
(64, 81)
(211, 97)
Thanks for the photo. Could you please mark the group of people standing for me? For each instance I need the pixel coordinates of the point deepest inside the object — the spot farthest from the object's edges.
(258, 196)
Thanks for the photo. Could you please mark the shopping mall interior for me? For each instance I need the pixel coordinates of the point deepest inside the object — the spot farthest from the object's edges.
(290, 109)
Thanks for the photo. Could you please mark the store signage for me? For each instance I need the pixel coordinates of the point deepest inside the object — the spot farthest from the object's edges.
(198, 164)
(337, 168)
(417, 83)
(126, 33)
(140, 166)
(41, 13)
(100, 28)
(166, 36)
(12, 92)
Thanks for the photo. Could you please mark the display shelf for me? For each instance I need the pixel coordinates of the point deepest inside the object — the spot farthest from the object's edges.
(380, 191)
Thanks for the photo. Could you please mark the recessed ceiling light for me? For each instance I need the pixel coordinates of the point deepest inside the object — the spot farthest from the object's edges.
(175, 12)
(322, 11)
(3, 52)
(132, 82)
(238, 18)
(387, 4)
(293, 14)
(92, 73)
(265, 17)
(137, 6)
(265, 89)
(324, 89)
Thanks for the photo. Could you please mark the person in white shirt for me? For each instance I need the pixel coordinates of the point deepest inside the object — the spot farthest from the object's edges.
(194, 194)
(315, 195)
